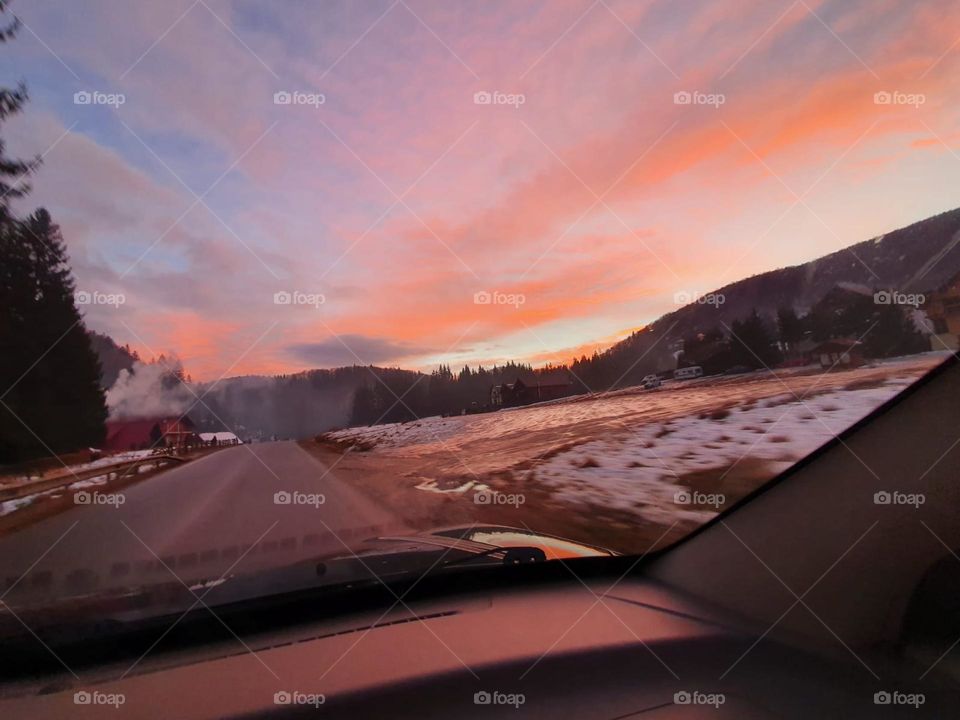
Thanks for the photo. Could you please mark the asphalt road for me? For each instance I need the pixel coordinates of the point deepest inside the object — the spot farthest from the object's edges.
(246, 507)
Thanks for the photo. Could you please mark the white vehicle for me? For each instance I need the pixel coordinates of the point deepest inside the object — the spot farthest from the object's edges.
(650, 381)
(688, 373)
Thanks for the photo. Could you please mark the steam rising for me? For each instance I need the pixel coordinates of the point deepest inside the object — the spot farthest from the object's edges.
(148, 391)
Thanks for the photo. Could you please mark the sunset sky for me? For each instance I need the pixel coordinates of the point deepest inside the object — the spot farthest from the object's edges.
(584, 190)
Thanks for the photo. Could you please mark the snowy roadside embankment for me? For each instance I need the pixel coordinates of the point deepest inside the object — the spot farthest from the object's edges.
(12, 505)
(103, 461)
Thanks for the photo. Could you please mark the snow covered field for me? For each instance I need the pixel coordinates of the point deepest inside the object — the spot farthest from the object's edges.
(679, 453)
(640, 470)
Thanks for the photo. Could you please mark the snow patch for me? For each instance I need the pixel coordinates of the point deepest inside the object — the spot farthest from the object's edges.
(451, 488)
(642, 471)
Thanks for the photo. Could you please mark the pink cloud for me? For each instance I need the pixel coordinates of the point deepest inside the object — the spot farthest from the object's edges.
(503, 196)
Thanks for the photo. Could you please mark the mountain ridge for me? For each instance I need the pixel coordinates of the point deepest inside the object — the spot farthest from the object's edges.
(919, 257)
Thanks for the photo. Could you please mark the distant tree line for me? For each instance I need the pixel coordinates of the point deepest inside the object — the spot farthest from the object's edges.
(51, 400)
(395, 395)
(113, 358)
(751, 342)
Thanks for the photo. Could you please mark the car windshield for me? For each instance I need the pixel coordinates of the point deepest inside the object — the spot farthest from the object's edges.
(309, 294)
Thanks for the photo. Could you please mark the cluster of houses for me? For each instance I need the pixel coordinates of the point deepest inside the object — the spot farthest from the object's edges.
(713, 358)
(938, 316)
(174, 433)
(940, 320)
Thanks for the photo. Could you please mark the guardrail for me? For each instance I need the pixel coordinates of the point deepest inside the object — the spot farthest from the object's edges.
(120, 469)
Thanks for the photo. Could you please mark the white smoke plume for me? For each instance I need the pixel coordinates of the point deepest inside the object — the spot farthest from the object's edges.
(147, 391)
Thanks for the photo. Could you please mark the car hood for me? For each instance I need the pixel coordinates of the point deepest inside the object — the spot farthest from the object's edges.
(375, 560)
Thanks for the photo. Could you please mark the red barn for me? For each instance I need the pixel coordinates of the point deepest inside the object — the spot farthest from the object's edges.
(144, 433)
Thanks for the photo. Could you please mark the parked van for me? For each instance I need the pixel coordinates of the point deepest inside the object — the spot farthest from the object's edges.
(688, 373)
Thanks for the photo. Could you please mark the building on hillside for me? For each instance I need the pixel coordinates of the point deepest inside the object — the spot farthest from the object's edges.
(943, 310)
(839, 354)
(220, 438)
(551, 391)
(509, 394)
(145, 433)
(521, 393)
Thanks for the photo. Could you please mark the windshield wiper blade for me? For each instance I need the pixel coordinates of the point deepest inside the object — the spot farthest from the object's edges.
(511, 556)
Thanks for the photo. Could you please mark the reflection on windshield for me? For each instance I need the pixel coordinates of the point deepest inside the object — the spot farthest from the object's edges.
(221, 357)
(554, 548)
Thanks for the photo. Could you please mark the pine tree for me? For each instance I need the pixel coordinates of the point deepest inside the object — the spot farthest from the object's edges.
(892, 333)
(13, 172)
(50, 395)
(789, 326)
(54, 402)
(752, 343)
(363, 411)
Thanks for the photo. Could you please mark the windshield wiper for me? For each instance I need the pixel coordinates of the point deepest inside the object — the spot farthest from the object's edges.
(511, 556)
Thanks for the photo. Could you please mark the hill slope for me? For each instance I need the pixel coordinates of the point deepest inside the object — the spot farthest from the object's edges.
(914, 259)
